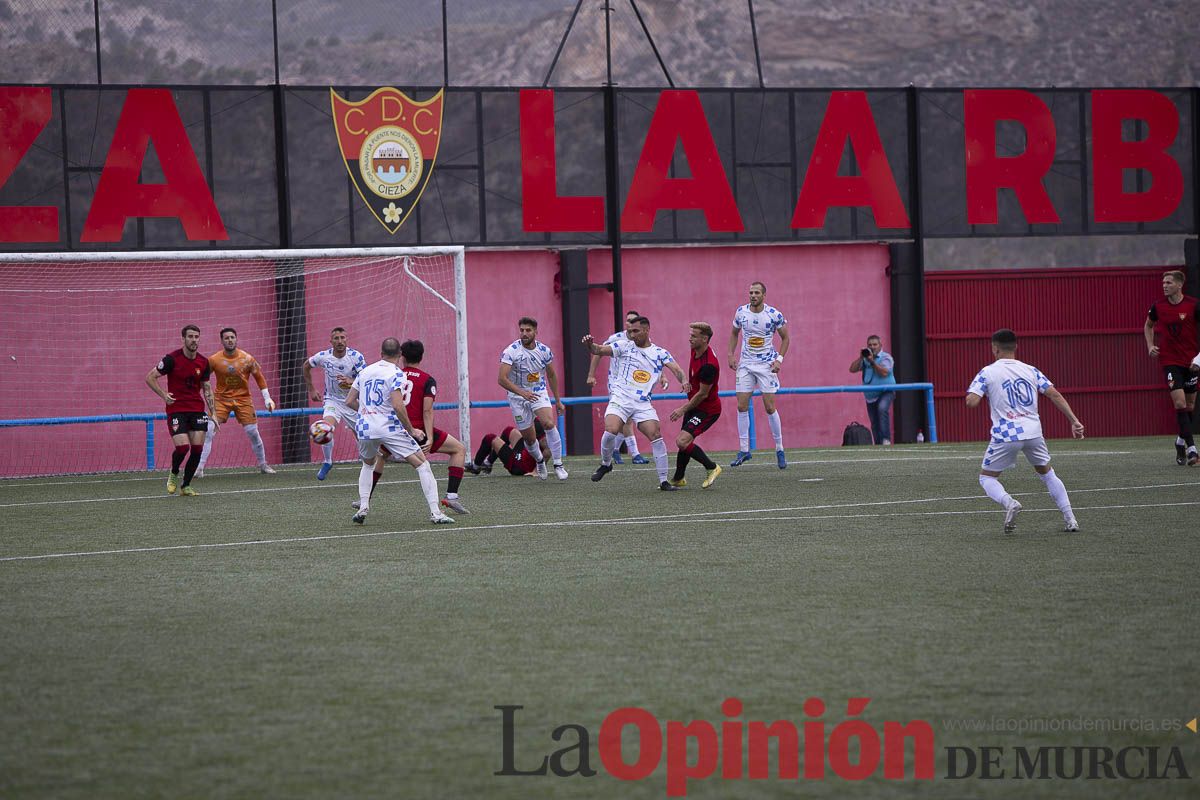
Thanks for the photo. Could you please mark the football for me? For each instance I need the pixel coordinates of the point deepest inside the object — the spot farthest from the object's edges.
(320, 432)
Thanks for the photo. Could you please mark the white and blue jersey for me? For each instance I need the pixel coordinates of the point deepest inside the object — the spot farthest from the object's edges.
(619, 336)
(1012, 388)
(376, 416)
(528, 365)
(348, 367)
(758, 333)
(635, 370)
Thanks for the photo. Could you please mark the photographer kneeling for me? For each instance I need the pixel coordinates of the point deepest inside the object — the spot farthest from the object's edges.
(878, 369)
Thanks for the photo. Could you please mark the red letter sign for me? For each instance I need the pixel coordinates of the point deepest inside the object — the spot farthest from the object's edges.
(542, 208)
(151, 114)
(987, 172)
(679, 117)
(24, 112)
(1112, 155)
(848, 116)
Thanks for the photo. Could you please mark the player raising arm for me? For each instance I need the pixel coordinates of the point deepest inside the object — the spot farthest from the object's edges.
(639, 365)
(187, 412)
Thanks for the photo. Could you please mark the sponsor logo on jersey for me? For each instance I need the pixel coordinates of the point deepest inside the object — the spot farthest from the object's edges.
(389, 143)
(641, 376)
(534, 377)
(757, 341)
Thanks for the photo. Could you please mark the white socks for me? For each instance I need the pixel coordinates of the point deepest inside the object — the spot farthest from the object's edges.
(555, 442)
(776, 428)
(327, 452)
(208, 441)
(365, 482)
(428, 487)
(608, 443)
(631, 445)
(1058, 492)
(744, 431)
(659, 448)
(995, 490)
(256, 443)
(535, 450)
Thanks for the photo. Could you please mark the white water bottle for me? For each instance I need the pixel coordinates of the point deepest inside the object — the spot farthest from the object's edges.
(920, 436)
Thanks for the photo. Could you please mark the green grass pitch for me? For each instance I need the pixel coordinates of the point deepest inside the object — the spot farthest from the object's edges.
(253, 642)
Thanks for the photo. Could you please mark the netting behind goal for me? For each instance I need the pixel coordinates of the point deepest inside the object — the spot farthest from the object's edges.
(78, 337)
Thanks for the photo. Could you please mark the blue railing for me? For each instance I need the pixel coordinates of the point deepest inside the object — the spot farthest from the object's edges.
(150, 419)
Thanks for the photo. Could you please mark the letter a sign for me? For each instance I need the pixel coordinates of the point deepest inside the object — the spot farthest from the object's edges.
(389, 143)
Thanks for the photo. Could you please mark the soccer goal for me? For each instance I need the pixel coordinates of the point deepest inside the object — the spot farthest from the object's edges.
(80, 331)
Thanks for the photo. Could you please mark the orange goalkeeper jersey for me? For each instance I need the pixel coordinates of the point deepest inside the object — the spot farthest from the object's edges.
(233, 374)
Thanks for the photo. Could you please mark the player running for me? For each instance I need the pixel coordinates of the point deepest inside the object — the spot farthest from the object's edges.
(758, 367)
(233, 369)
(1011, 388)
(703, 407)
(627, 431)
(639, 365)
(341, 365)
(1173, 320)
(379, 395)
(526, 370)
(420, 415)
(187, 378)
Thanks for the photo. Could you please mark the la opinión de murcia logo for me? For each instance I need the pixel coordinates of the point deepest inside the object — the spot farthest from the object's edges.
(813, 749)
(731, 748)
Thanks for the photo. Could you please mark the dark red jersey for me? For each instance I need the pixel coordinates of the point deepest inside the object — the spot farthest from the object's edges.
(705, 369)
(423, 386)
(184, 378)
(1175, 331)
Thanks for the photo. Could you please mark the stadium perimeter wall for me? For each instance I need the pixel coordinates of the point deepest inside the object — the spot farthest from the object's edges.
(1081, 327)
(833, 297)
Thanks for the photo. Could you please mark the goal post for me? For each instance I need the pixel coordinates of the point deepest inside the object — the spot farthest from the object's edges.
(81, 330)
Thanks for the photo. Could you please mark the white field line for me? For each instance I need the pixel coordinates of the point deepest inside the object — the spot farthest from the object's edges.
(20, 483)
(707, 516)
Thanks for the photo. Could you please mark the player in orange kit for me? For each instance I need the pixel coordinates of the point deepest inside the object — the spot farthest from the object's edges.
(233, 369)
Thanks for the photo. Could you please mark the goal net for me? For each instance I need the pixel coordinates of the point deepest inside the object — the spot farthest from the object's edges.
(81, 331)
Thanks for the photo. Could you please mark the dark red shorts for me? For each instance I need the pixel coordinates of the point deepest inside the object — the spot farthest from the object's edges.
(439, 439)
(520, 462)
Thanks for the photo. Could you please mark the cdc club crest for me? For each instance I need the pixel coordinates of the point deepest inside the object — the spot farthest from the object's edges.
(389, 143)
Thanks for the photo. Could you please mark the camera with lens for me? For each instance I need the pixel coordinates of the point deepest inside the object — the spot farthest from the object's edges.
(866, 353)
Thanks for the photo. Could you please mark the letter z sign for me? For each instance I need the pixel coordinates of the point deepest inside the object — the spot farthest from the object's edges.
(148, 114)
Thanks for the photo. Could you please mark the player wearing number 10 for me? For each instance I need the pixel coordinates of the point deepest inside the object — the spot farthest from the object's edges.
(1011, 388)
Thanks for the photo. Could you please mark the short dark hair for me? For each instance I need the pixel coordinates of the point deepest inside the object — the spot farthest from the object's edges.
(187, 328)
(640, 321)
(390, 347)
(759, 284)
(337, 329)
(530, 321)
(1004, 339)
(875, 336)
(413, 351)
(227, 330)
(631, 313)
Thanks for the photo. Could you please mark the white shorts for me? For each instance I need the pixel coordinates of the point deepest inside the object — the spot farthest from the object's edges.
(398, 443)
(631, 412)
(523, 410)
(753, 375)
(347, 415)
(1002, 455)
